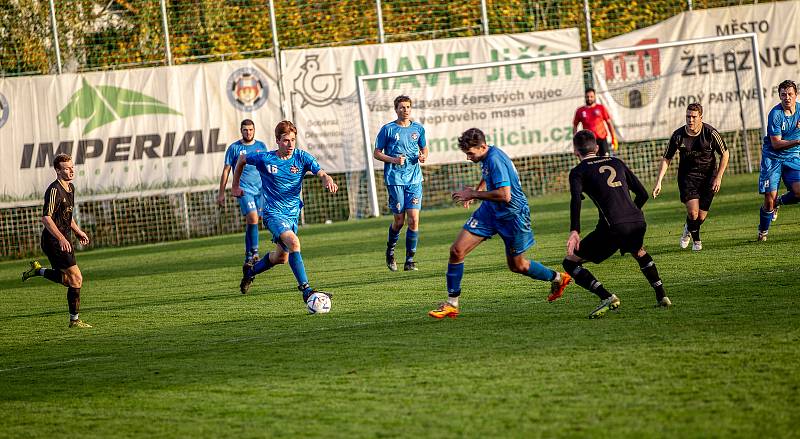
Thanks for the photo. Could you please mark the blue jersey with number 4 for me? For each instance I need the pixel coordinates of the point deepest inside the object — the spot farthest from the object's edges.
(282, 179)
(250, 181)
(395, 140)
(498, 171)
(787, 127)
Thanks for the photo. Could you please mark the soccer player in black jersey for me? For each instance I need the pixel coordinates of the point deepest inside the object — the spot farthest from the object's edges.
(699, 177)
(608, 183)
(59, 201)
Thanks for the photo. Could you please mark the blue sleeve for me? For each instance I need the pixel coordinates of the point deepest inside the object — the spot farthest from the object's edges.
(230, 156)
(774, 124)
(380, 141)
(498, 172)
(253, 159)
(310, 164)
(423, 142)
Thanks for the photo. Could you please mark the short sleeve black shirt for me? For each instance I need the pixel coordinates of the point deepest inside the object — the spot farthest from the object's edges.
(699, 156)
(58, 205)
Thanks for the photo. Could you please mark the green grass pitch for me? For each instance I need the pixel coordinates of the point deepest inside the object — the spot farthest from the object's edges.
(176, 351)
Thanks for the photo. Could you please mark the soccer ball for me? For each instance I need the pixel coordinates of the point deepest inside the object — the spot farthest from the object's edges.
(318, 303)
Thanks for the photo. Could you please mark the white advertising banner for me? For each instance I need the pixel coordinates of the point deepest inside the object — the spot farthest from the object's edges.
(525, 109)
(647, 91)
(131, 130)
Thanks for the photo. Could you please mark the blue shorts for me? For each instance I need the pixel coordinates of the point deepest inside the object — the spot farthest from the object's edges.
(515, 231)
(772, 170)
(402, 197)
(249, 203)
(277, 224)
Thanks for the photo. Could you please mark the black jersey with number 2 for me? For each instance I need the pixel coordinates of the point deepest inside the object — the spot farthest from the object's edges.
(58, 205)
(607, 182)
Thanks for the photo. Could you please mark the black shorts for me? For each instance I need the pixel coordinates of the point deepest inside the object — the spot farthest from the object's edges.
(602, 147)
(59, 260)
(603, 241)
(696, 186)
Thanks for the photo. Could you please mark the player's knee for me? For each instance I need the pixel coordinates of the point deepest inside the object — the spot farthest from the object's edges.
(519, 267)
(413, 223)
(73, 279)
(281, 258)
(570, 266)
(641, 253)
(457, 254)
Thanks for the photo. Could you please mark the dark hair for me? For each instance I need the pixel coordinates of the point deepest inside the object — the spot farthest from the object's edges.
(786, 84)
(59, 159)
(284, 127)
(584, 142)
(471, 138)
(247, 122)
(401, 98)
(694, 106)
(590, 89)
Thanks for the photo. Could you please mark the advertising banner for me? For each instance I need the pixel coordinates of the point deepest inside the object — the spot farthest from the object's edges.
(131, 130)
(647, 91)
(525, 109)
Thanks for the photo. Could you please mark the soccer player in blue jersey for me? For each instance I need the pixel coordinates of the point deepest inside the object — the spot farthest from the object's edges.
(251, 202)
(780, 157)
(401, 146)
(504, 211)
(282, 174)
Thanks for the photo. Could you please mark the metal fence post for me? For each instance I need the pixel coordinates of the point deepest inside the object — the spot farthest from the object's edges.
(276, 52)
(55, 35)
(484, 18)
(379, 9)
(164, 23)
(587, 16)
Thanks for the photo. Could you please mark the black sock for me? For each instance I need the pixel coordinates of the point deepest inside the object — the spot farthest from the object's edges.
(648, 267)
(585, 278)
(53, 275)
(694, 228)
(74, 300)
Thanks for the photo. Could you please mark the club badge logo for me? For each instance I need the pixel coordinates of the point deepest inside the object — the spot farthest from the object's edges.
(631, 76)
(247, 89)
(294, 169)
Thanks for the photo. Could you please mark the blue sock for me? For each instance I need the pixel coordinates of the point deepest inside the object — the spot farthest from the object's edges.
(765, 219)
(540, 272)
(261, 266)
(394, 235)
(248, 243)
(299, 270)
(454, 274)
(788, 198)
(251, 239)
(411, 244)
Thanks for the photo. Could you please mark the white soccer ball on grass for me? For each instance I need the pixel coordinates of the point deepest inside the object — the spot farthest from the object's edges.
(318, 303)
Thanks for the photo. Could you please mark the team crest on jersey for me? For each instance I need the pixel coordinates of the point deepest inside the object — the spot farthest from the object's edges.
(796, 126)
(414, 136)
(294, 169)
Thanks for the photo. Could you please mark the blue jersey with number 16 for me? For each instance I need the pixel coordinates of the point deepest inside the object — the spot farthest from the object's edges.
(282, 179)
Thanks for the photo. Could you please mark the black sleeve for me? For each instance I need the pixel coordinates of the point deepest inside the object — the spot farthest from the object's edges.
(635, 186)
(717, 144)
(50, 198)
(575, 189)
(674, 142)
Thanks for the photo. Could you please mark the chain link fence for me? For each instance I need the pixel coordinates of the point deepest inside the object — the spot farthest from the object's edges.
(117, 34)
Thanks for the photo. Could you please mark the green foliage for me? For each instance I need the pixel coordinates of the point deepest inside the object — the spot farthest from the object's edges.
(176, 351)
(98, 34)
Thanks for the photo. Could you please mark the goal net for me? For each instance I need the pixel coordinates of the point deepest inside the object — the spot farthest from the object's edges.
(526, 107)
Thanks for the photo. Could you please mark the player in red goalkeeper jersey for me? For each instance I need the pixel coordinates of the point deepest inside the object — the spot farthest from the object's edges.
(595, 118)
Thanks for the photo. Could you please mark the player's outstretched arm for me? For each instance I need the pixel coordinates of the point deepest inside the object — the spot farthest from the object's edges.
(237, 191)
(778, 143)
(662, 170)
(327, 181)
(501, 194)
